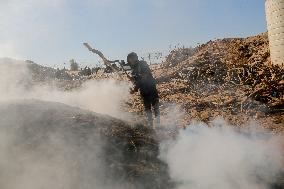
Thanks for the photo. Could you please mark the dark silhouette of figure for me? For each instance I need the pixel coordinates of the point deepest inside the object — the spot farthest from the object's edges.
(146, 84)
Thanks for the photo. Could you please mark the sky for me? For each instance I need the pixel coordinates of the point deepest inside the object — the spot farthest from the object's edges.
(51, 32)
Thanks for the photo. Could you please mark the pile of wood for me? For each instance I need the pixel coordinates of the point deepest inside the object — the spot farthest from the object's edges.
(178, 55)
(232, 78)
(266, 82)
(207, 72)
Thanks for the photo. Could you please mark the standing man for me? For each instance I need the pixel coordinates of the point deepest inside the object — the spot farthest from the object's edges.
(146, 84)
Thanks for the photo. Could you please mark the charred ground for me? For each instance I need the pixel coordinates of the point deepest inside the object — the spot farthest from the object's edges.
(49, 132)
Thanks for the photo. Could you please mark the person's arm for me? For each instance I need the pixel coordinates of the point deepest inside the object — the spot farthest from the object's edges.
(136, 82)
(140, 76)
(146, 71)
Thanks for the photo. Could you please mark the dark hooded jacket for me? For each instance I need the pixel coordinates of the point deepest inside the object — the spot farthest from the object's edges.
(144, 80)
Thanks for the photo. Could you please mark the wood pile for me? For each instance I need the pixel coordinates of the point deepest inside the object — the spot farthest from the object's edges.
(232, 78)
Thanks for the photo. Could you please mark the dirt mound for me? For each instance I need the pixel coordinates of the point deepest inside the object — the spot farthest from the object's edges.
(75, 148)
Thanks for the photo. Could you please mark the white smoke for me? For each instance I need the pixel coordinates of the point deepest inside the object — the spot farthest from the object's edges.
(220, 157)
(40, 156)
(14, 76)
(48, 163)
(105, 96)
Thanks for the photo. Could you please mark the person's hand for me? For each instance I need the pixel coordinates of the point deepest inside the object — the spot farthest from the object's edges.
(132, 91)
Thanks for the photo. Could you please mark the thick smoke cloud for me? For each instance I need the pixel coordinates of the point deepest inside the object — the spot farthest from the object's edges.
(40, 144)
(14, 78)
(103, 97)
(221, 157)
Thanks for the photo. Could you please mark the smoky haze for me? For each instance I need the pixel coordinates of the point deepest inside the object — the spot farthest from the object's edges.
(204, 157)
(102, 97)
(42, 143)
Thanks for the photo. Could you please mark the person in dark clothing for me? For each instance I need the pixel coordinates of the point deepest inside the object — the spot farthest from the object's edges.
(145, 83)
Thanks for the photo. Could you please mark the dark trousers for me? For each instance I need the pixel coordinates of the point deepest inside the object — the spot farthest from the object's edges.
(151, 102)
